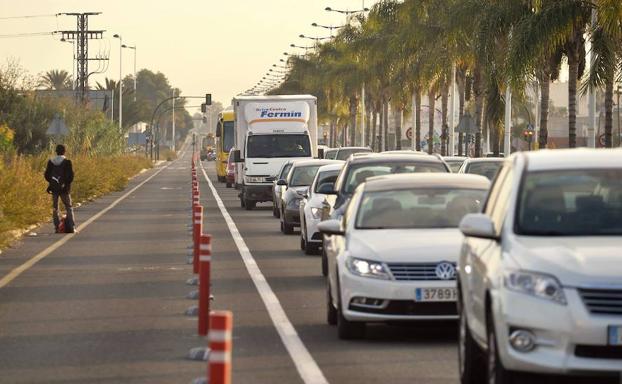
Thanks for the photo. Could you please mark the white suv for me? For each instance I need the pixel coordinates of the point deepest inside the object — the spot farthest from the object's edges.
(540, 270)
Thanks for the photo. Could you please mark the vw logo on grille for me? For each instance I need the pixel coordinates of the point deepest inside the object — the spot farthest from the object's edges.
(445, 271)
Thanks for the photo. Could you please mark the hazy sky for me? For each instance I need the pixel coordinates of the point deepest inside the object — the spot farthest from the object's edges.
(217, 46)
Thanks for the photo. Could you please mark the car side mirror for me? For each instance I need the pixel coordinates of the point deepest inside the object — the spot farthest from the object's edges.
(237, 157)
(327, 189)
(282, 182)
(478, 225)
(331, 227)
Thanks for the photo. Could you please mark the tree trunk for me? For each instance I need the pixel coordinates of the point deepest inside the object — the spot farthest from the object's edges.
(479, 111)
(461, 96)
(545, 87)
(609, 110)
(418, 119)
(573, 73)
(431, 107)
(353, 111)
(495, 138)
(385, 128)
(380, 125)
(398, 130)
(374, 121)
(444, 126)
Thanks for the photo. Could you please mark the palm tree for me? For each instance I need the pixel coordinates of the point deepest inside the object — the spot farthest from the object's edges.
(56, 79)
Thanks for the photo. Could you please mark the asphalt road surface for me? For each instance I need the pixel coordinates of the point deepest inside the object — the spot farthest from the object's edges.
(106, 306)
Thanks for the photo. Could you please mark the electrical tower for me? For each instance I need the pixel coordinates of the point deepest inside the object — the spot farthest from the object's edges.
(82, 35)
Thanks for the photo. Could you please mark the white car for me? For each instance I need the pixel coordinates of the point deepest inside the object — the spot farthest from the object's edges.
(277, 190)
(394, 252)
(483, 166)
(311, 207)
(540, 271)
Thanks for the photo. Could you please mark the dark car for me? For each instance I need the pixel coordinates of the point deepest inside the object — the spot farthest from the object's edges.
(296, 184)
(358, 168)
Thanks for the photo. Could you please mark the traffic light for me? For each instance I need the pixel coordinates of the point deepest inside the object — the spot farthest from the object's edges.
(208, 99)
(203, 108)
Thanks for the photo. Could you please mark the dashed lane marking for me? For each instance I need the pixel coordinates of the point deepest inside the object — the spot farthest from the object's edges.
(307, 368)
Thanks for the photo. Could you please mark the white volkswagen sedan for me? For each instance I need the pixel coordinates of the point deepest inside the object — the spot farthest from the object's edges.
(394, 254)
(312, 204)
(540, 271)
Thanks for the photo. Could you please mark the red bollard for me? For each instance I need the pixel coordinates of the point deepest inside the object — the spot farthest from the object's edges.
(221, 326)
(197, 229)
(196, 200)
(205, 259)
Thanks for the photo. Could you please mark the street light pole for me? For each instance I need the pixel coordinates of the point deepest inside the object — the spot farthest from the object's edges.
(135, 80)
(120, 81)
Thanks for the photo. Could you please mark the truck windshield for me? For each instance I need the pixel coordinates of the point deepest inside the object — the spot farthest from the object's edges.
(278, 146)
(227, 136)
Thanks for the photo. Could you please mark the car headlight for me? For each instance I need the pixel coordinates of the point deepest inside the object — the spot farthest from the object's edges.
(254, 179)
(366, 268)
(316, 212)
(536, 284)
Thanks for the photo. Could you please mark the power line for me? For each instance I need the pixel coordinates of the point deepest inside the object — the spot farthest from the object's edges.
(27, 16)
(28, 34)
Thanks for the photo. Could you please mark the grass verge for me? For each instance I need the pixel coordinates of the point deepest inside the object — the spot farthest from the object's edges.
(24, 202)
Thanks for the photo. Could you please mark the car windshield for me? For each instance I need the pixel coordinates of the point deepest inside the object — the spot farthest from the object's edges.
(454, 165)
(330, 154)
(326, 177)
(285, 170)
(488, 169)
(343, 154)
(303, 176)
(419, 208)
(571, 203)
(265, 146)
(360, 172)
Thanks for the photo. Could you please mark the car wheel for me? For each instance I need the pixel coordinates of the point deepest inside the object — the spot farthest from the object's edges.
(310, 249)
(303, 243)
(331, 311)
(471, 359)
(221, 179)
(496, 373)
(249, 205)
(324, 262)
(288, 229)
(348, 330)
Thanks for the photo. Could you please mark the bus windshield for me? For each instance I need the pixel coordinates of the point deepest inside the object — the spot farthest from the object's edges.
(227, 136)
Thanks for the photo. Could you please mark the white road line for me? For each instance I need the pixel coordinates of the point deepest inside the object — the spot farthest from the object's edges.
(305, 364)
(39, 256)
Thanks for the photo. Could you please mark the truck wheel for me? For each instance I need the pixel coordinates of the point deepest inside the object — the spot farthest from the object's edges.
(275, 211)
(242, 203)
(221, 179)
(229, 185)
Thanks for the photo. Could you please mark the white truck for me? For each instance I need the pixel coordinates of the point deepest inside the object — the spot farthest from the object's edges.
(270, 130)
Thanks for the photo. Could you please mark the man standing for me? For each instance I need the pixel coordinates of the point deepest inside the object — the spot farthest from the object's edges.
(59, 175)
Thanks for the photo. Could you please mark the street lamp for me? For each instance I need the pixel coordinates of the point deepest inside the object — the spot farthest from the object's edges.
(317, 39)
(300, 46)
(73, 58)
(329, 27)
(120, 80)
(347, 13)
(134, 49)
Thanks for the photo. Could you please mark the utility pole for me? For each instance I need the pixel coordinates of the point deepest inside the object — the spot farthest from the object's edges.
(82, 35)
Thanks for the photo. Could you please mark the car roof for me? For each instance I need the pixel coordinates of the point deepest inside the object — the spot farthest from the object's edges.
(338, 165)
(377, 158)
(484, 160)
(355, 148)
(579, 158)
(426, 180)
(454, 158)
(303, 163)
(405, 152)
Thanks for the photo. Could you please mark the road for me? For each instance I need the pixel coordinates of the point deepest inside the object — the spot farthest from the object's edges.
(107, 305)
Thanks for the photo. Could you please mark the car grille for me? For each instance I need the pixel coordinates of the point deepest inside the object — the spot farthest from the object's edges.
(599, 351)
(415, 271)
(602, 301)
(412, 308)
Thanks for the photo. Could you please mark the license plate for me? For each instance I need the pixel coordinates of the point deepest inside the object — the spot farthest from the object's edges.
(615, 335)
(435, 294)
